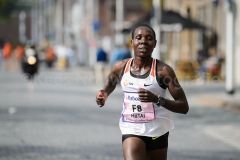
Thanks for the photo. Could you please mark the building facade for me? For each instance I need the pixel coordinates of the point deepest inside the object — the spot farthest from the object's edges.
(82, 23)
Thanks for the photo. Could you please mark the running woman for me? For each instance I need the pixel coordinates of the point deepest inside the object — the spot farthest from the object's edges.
(146, 119)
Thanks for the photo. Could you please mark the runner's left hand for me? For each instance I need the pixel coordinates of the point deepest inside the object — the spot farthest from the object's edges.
(146, 96)
(101, 98)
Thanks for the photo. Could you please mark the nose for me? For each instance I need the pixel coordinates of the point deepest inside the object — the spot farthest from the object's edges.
(143, 40)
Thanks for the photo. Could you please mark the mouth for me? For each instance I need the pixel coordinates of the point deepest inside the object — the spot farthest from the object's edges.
(143, 49)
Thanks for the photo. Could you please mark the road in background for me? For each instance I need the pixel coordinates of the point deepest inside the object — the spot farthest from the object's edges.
(56, 118)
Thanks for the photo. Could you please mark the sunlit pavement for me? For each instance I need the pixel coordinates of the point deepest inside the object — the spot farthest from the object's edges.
(55, 117)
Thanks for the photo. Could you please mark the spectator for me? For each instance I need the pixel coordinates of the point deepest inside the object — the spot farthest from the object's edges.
(120, 53)
(20, 52)
(125, 53)
(100, 66)
(211, 64)
(71, 56)
(101, 55)
(115, 54)
(50, 56)
(7, 51)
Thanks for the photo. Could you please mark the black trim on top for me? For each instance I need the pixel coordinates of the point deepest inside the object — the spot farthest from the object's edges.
(160, 79)
(145, 75)
(120, 78)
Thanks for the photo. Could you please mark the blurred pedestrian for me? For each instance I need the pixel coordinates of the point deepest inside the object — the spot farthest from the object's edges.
(146, 120)
(100, 66)
(7, 51)
(50, 57)
(115, 54)
(101, 55)
(119, 53)
(61, 53)
(1, 52)
(71, 56)
(20, 49)
(16, 56)
(212, 64)
(30, 61)
(126, 53)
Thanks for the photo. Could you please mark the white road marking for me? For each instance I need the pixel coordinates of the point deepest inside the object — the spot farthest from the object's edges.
(229, 135)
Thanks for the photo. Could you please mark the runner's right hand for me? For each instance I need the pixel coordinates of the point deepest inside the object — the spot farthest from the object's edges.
(101, 98)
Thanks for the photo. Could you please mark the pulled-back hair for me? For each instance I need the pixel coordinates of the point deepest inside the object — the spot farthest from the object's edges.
(144, 25)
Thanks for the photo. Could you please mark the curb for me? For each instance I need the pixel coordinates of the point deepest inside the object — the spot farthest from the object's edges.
(220, 103)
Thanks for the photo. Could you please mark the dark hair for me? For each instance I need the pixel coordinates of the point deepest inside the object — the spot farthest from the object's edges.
(144, 25)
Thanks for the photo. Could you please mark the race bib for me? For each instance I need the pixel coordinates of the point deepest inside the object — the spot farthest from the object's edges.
(136, 111)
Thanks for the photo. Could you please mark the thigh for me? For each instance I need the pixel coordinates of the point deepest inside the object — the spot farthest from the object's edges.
(134, 148)
(159, 154)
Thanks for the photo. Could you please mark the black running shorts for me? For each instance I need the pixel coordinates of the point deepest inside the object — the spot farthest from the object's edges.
(152, 143)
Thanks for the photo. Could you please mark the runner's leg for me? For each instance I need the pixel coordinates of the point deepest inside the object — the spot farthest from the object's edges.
(159, 154)
(134, 149)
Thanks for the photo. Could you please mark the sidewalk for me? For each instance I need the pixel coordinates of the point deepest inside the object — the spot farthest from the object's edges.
(221, 98)
(210, 93)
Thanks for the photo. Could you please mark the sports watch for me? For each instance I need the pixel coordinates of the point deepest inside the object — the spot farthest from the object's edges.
(161, 101)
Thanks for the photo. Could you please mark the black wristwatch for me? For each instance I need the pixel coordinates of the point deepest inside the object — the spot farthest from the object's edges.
(161, 101)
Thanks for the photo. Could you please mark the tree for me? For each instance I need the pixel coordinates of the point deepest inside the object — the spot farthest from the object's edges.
(147, 4)
(6, 8)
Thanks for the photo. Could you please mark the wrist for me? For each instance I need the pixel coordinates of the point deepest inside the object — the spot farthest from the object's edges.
(156, 99)
(104, 93)
(161, 101)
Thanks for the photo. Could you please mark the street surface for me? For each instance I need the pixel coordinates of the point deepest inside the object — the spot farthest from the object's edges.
(56, 118)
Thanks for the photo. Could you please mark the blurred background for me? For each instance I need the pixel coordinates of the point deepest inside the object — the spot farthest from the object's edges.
(55, 55)
(67, 34)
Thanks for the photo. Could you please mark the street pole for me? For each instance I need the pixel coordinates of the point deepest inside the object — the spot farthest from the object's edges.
(37, 23)
(119, 21)
(40, 21)
(43, 19)
(59, 22)
(90, 6)
(33, 21)
(155, 22)
(229, 31)
(50, 18)
(66, 28)
(176, 37)
(22, 27)
(78, 24)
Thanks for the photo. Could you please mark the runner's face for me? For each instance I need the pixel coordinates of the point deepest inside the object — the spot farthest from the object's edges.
(143, 41)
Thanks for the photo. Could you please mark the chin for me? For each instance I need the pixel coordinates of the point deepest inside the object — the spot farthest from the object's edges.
(144, 54)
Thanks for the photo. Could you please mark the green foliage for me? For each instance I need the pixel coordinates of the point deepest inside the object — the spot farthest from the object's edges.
(6, 8)
(147, 4)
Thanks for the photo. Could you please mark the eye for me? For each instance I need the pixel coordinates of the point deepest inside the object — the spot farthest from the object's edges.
(150, 38)
(138, 37)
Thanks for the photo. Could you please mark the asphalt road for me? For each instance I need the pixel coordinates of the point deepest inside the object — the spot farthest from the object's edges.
(56, 118)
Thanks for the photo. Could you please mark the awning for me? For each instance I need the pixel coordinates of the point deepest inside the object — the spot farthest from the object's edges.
(171, 21)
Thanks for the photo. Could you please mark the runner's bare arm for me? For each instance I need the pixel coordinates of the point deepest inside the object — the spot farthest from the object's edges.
(110, 83)
(179, 104)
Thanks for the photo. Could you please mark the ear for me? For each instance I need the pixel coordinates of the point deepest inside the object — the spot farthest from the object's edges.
(155, 43)
(131, 43)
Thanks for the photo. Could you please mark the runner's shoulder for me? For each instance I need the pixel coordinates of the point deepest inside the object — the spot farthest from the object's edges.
(163, 69)
(119, 65)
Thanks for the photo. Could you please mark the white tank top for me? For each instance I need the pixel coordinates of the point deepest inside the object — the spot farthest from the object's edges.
(145, 119)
